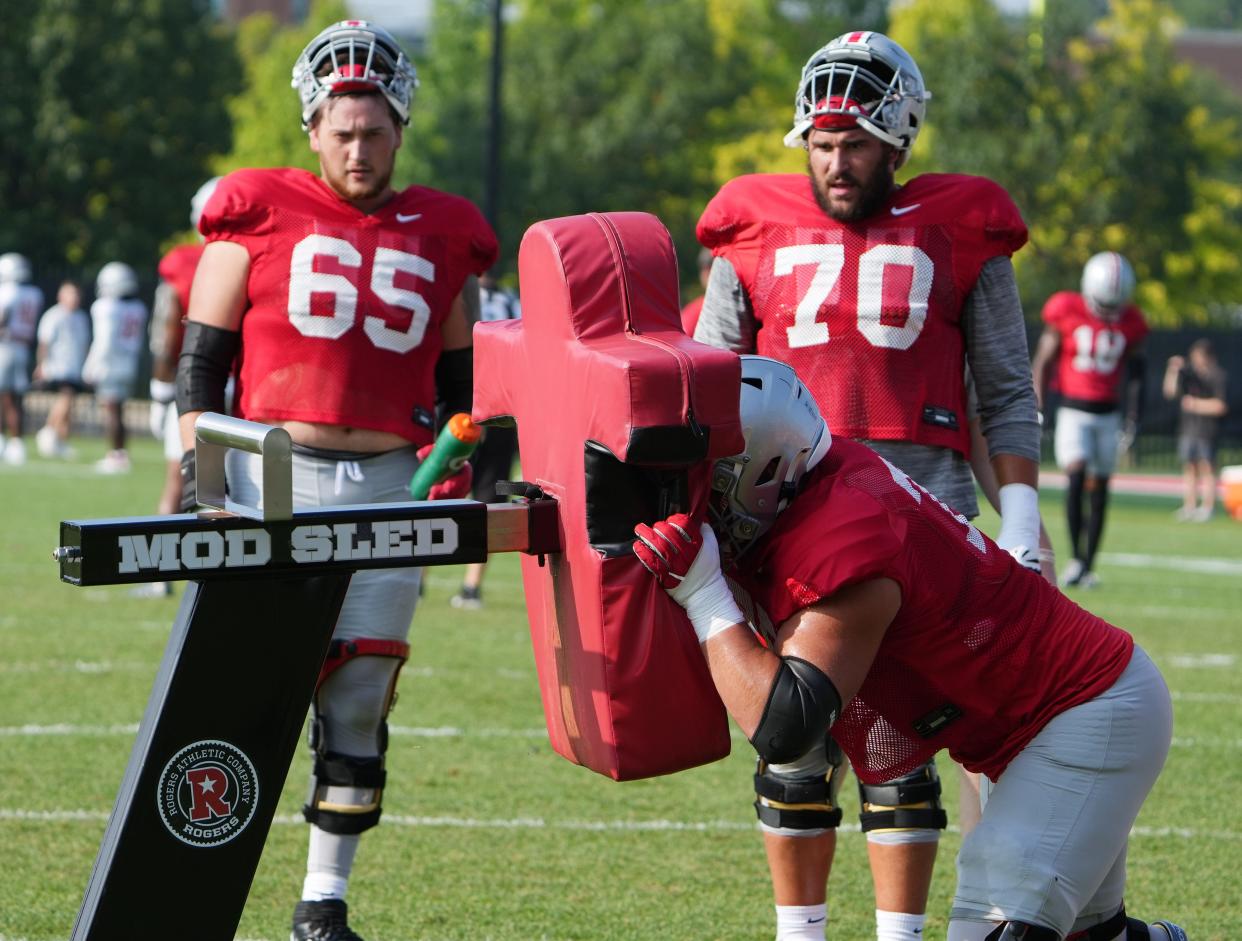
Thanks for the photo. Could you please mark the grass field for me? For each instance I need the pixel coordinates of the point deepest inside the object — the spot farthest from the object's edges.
(490, 835)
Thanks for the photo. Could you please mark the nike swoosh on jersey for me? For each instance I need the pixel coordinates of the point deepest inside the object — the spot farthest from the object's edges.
(899, 210)
(816, 921)
(402, 217)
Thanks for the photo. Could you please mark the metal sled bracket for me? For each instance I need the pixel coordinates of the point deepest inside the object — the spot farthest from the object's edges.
(215, 435)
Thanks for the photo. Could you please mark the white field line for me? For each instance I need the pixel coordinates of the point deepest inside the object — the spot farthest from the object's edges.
(576, 826)
(1207, 697)
(1206, 565)
(91, 667)
(1201, 661)
(452, 731)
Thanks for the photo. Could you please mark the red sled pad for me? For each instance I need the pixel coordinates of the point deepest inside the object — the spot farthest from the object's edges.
(619, 415)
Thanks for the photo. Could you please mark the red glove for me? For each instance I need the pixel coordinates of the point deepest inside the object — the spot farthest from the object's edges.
(682, 554)
(456, 486)
(669, 548)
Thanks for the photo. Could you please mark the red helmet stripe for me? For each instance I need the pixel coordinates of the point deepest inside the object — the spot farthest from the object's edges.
(842, 113)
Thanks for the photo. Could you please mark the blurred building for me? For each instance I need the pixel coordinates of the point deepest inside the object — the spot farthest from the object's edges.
(1217, 50)
(408, 20)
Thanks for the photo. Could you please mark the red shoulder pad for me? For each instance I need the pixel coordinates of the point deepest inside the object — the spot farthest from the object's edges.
(862, 542)
(746, 200)
(240, 205)
(451, 215)
(981, 212)
(1061, 308)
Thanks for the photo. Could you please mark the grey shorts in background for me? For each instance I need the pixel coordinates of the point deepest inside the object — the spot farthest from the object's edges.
(1192, 449)
(14, 367)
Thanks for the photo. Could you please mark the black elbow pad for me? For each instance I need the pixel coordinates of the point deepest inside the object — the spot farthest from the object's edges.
(801, 707)
(207, 355)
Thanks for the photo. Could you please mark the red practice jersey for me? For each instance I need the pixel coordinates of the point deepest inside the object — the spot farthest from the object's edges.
(345, 308)
(177, 270)
(1093, 350)
(690, 316)
(868, 313)
(178, 267)
(982, 653)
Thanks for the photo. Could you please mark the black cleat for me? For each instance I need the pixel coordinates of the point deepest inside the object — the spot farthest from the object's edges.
(322, 921)
(1174, 932)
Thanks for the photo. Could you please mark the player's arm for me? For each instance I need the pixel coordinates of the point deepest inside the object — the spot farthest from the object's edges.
(1046, 351)
(212, 332)
(455, 365)
(785, 697)
(1172, 384)
(727, 319)
(212, 339)
(166, 316)
(778, 702)
(996, 351)
(1134, 382)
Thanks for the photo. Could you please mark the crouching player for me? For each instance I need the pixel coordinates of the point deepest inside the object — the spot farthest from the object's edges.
(905, 630)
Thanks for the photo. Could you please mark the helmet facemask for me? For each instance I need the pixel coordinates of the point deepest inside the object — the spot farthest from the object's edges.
(354, 57)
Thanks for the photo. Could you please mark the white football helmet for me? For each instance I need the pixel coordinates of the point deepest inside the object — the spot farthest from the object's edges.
(861, 78)
(353, 56)
(785, 437)
(14, 268)
(1107, 283)
(199, 201)
(116, 279)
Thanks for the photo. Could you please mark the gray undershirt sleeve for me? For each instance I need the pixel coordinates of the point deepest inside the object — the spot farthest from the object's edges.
(996, 351)
(727, 319)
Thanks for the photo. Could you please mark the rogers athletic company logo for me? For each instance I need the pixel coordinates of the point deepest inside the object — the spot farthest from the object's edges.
(207, 793)
(319, 542)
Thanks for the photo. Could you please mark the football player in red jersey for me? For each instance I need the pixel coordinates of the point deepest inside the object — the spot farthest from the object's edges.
(875, 609)
(343, 307)
(879, 295)
(1095, 338)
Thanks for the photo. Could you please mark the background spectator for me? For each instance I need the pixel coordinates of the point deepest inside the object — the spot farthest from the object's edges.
(1199, 383)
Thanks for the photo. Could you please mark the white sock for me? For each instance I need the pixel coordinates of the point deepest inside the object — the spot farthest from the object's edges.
(328, 863)
(898, 926)
(801, 922)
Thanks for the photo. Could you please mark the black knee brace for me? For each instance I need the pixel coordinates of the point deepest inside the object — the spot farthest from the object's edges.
(801, 803)
(910, 802)
(332, 769)
(1016, 931)
(1135, 929)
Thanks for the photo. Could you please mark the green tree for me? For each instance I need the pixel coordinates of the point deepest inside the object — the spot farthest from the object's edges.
(267, 128)
(615, 104)
(1105, 140)
(110, 118)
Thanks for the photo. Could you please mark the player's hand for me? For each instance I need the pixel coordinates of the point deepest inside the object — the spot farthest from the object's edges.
(669, 548)
(456, 486)
(1026, 557)
(685, 559)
